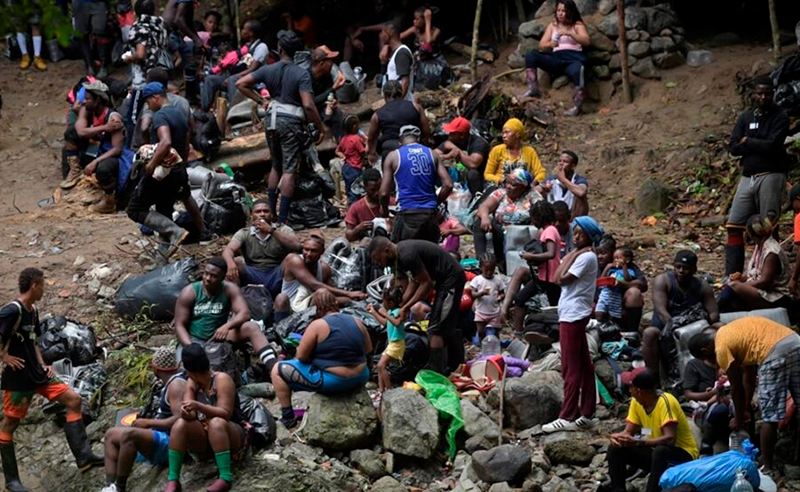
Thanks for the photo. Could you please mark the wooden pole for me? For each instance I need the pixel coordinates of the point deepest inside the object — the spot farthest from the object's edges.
(776, 37)
(476, 27)
(623, 53)
(521, 11)
(238, 27)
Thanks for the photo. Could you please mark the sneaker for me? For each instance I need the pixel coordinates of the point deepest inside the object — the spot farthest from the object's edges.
(25, 63)
(585, 423)
(559, 425)
(109, 488)
(39, 63)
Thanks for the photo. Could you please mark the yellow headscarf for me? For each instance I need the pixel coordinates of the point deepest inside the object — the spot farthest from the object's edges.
(515, 125)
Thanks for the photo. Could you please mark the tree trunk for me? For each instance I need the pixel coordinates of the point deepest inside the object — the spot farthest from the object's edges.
(776, 37)
(521, 11)
(623, 54)
(476, 27)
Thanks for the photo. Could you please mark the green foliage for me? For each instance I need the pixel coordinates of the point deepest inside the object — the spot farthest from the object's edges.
(54, 24)
(135, 374)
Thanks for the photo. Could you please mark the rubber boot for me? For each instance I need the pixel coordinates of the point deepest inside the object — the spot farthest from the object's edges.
(80, 446)
(10, 471)
(734, 259)
(64, 163)
(75, 173)
(577, 102)
(533, 84)
(171, 233)
(106, 205)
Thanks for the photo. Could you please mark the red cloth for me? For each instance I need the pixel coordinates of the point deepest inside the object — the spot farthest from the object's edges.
(361, 212)
(353, 149)
(577, 370)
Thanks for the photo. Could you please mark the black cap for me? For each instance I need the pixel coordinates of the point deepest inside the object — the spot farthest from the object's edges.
(686, 257)
(645, 380)
(794, 193)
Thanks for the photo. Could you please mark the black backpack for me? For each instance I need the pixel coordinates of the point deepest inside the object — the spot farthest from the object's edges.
(207, 135)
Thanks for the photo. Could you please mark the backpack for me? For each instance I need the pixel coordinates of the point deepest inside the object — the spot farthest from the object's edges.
(260, 303)
(223, 359)
(207, 136)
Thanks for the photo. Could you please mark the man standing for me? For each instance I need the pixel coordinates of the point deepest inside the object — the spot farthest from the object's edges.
(179, 20)
(26, 374)
(428, 268)
(467, 149)
(758, 139)
(567, 186)
(324, 85)
(91, 17)
(171, 130)
(401, 61)
(290, 105)
(145, 120)
(358, 221)
(35, 21)
(414, 168)
(263, 247)
(148, 437)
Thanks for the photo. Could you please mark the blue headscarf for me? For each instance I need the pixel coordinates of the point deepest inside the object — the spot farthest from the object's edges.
(590, 227)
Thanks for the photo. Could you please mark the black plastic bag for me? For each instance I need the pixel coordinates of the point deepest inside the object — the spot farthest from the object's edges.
(260, 303)
(347, 265)
(296, 323)
(263, 430)
(63, 338)
(432, 74)
(224, 208)
(609, 332)
(314, 186)
(414, 358)
(207, 135)
(312, 213)
(156, 291)
(88, 381)
(787, 96)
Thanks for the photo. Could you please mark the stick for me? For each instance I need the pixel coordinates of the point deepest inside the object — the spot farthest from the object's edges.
(623, 53)
(502, 397)
(236, 20)
(776, 36)
(14, 203)
(476, 27)
(508, 72)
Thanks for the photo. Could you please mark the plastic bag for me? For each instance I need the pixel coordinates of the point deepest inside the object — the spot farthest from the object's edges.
(296, 323)
(88, 381)
(260, 303)
(256, 414)
(225, 209)
(156, 291)
(444, 398)
(312, 213)
(458, 203)
(432, 74)
(713, 474)
(63, 338)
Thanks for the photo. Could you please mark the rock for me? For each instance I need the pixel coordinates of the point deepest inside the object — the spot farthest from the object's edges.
(661, 44)
(506, 463)
(635, 18)
(477, 443)
(558, 485)
(724, 39)
(547, 9)
(699, 58)
(541, 462)
(534, 431)
(680, 42)
(659, 18)
(633, 35)
(341, 422)
(516, 60)
(609, 25)
(526, 45)
(368, 462)
(585, 7)
(560, 82)
(410, 424)
(792, 472)
(605, 7)
(79, 260)
(644, 35)
(570, 452)
(665, 32)
(639, 49)
(653, 197)
(598, 460)
(387, 484)
(477, 423)
(531, 486)
(501, 487)
(602, 72)
(615, 63)
(616, 78)
(606, 374)
(669, 60)
(532, 29)
(645, 68)
(106, 292)
(598, 57)
(544, 388)
(600, 41)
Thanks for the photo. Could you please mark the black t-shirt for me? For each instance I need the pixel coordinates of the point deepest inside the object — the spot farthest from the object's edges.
(285, 81)
(175, 119)
(403, 61)
(394, 115)
(322, 87)
(21, 343)
(698, 377)
(414, 256)
(477, 145)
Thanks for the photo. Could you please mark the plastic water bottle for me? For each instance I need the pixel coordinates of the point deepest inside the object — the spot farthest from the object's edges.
(736, 439)
(490, 345)
(741, 484)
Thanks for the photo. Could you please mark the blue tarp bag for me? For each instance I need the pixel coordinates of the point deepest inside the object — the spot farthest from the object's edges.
(713, 474)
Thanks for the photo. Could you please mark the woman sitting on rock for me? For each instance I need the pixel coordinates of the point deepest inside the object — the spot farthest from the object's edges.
(565, 36)
(511, 154)
(331, 357)
(766, 282)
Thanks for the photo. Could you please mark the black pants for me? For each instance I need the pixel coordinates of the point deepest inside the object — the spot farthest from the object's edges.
(443, 321)
(552, 291)
(163, 194)
(498, 241)
(106, 174)
(654, 460)
(416, 224)
(475, 181)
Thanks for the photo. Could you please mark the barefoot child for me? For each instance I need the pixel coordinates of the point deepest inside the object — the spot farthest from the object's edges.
(609, 304)
(487, 292)
(387, 315)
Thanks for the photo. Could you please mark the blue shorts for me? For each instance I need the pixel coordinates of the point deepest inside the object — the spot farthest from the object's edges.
(306, 377)
(160, 450)
(272, 279)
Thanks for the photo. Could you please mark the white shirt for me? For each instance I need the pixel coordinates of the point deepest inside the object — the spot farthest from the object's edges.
(391, 72)
(576, 297)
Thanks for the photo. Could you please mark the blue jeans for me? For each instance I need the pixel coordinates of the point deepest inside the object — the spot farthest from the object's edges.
(270, 279)
(350, 175)
(557, 63)
(160, 450)
(301, 376)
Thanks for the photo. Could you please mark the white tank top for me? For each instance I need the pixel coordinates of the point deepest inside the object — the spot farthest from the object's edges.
(391, 72)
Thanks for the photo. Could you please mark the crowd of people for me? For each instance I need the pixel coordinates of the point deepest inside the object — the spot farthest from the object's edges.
(402, 222)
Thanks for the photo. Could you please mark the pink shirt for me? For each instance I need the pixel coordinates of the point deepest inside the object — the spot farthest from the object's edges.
(566, 42)
(547, 270)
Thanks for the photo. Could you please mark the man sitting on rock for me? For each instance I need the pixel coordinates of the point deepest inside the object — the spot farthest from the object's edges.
(331, 357)
(469, 150)
(358, 221)
(656, 435)
(146, 439)
(263, 246)
(304, 274)
(203, 312)
(676, 293)
(566, 185)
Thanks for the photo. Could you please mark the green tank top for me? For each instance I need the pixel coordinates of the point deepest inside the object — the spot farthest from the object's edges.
(208, 313)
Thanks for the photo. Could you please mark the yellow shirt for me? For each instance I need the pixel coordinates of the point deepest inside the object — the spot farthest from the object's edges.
(667, 411)
(500, 160)
(748, 341)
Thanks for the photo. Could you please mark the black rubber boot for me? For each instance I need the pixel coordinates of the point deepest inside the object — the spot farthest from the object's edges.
(172, 235)
(80, 446)
(436, 360)
(10, 471)
(734, 259)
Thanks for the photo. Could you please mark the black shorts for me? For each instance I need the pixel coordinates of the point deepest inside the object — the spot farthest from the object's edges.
(91, 17)
(416, 224)
(163, 194)
(287, 143)
(445, 308)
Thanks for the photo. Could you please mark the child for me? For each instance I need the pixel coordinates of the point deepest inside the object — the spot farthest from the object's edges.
(609, 304)
(392, 300)
(702, 384)
(352, 150)
(487, 292)
(563, 225)
(450, 229)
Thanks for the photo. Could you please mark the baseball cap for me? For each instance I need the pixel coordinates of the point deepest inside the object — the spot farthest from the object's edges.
(165, 359)
(686, 257)
(628, 376)
(323, 53)
(410, 130)
(641, 378)
(153, 88)
(794, 193)
(458, 125)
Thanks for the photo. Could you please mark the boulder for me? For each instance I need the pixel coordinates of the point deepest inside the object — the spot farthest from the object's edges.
(609, 25)
(516, 60)
(653, 197)
(644, 68)
(699, 58)
(665, 32)
(532, 29)
(602, 72)
(659, 18)
(635, 18)
(387, 484)
(633, 35)
(544, 388)
(477, 443)
(574, 452)
(605, 7)
(600, 41)
(585, 7)
(606, 374)
(547, 9)
(644, 36)
(506, 463)
(560, 82)
(410, 424)
(477, 423)
(615, 63)
(680, 42)
(341, 422)
(616, 78)
(368, 462)
(639, 49)
(526, 45)
(669, 60)
(598, 57)
(661, 44)
(501, 487)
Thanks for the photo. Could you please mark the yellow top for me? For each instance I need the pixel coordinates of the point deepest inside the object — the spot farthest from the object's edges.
(748, 341)
(667, 411)
(501, 161)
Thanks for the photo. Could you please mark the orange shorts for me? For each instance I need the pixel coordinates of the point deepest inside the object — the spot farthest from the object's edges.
(16, 403)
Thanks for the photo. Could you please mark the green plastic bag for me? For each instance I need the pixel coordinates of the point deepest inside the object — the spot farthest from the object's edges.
(444, 398)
